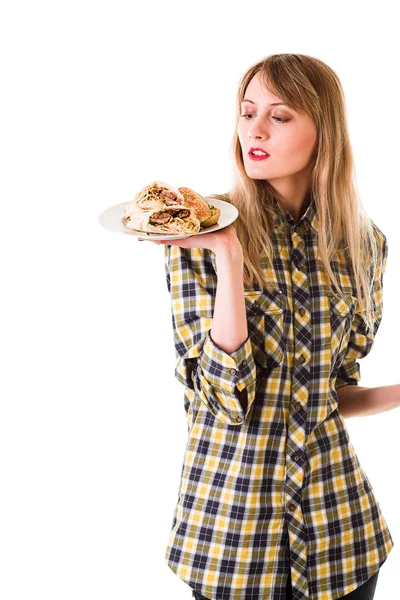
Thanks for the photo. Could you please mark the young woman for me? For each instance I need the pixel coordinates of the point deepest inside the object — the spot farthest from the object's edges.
(270, 316)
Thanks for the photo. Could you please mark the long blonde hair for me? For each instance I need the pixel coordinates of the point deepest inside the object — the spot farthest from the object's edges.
(309, 86)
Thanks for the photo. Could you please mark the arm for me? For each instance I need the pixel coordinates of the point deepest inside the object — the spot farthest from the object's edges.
(354, 400)
(357, 401)
(213, 348)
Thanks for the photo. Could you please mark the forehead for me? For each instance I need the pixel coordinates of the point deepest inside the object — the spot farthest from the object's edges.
(258, 92)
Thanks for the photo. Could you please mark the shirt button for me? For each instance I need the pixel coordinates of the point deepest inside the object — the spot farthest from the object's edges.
(239, 419)
(292, 506)
(295, 457)
(302, 311)
(298, 406)
(301, 358)
(244, 363)
(232, 371)
(256, 305)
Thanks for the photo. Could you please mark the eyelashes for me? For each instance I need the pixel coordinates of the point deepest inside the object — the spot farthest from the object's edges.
(278, 119)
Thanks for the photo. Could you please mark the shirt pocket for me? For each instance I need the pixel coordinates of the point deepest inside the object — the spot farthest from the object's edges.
(342, 313)
(265, 321)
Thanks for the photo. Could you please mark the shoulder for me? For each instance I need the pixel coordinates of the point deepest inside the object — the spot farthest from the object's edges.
(380, 236)
(382, 243)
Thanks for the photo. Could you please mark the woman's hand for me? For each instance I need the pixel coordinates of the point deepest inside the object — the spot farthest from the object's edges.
(215, 240)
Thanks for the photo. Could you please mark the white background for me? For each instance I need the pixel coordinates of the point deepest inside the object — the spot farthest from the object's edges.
(97, 100)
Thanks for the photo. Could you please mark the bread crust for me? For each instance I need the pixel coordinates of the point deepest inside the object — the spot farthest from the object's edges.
(213, 219)
(196, 202)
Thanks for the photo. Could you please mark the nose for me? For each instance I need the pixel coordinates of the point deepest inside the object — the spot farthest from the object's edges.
(257, 132)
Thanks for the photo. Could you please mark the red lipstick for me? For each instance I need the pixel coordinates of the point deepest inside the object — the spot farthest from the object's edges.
(258, 156)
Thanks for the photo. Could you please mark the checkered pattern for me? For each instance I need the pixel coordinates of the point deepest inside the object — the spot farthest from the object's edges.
(274, 488)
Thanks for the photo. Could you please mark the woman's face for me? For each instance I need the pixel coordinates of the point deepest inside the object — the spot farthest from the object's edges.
(288, 136)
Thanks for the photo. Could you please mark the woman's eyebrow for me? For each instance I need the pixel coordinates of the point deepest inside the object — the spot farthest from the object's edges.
(271, 103)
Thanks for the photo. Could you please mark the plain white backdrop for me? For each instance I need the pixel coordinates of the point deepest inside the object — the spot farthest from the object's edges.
(99, 99)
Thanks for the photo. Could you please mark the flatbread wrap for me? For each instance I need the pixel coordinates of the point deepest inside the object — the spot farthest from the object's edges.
(157, 194)
(164, 220)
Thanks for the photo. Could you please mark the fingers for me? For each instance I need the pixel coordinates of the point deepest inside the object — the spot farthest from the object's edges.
(154, 241)
(188, 242)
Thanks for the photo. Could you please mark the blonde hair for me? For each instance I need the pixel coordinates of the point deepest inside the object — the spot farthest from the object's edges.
(309, 86)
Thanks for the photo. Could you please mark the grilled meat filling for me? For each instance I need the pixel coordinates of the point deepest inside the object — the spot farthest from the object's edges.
(159, 218)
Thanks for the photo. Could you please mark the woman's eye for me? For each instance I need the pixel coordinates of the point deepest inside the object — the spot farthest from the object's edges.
(278, 119)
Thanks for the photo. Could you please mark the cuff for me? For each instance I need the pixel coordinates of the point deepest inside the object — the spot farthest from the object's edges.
(227, 371)
(349, 373)
(217, 376)
(341, 382)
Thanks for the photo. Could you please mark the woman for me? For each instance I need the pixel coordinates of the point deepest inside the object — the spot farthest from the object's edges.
(270, 316)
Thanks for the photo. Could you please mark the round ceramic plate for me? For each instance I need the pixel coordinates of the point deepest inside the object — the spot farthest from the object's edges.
(111, 219)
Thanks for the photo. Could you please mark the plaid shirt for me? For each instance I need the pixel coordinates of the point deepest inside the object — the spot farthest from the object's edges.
(276, 489)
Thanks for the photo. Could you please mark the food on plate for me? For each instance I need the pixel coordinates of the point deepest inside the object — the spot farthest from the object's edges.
(206, 213)
(157, 194)
(156, 198)
(215, 213)
(196, 202)
(168, 219)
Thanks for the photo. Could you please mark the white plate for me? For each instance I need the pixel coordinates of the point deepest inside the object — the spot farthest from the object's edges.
(111, 219)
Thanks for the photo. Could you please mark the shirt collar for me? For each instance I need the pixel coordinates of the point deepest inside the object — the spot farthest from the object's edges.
(283, 217)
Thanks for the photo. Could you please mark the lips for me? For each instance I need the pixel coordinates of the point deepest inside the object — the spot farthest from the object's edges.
(258, 157)
(262, 150)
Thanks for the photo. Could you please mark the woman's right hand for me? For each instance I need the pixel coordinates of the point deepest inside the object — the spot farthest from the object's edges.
(216, 241)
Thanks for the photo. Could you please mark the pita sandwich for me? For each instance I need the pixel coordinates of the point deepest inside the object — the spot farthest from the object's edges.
(164, 220)
(155, 195)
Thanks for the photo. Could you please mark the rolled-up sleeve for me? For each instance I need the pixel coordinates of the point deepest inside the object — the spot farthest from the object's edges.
(201, 365)
(361, 340)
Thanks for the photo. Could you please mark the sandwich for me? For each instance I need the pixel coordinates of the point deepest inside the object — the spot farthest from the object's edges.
(215, 212)
(195, 202)
(157, 194)
(206, 213)
(165, 220)
(154, 200)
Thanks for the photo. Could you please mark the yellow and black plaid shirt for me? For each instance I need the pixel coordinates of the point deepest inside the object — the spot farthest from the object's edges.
(276, 490)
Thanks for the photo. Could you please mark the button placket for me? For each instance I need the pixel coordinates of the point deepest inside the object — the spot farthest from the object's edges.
(300, 374)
